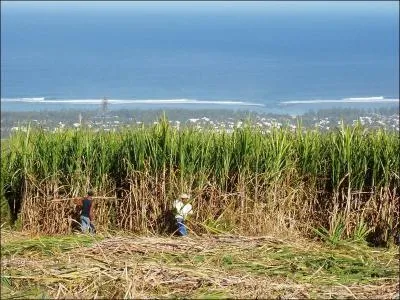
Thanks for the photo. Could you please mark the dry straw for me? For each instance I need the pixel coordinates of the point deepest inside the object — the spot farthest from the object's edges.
(224, 266)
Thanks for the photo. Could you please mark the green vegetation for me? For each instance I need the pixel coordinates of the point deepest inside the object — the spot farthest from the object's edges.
(247, 182)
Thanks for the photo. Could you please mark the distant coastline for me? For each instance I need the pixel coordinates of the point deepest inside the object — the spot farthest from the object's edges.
(292, 107)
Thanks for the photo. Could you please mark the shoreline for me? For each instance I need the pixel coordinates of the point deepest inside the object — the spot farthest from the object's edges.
(291, 107)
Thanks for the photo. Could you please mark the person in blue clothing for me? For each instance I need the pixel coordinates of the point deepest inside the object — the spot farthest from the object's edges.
(86, 213)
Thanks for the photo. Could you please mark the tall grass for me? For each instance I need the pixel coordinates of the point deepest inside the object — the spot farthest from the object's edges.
(245, 181)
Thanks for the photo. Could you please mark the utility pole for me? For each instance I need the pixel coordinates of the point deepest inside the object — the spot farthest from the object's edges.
(104, 106)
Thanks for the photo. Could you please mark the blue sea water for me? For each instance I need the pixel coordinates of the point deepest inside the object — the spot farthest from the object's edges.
(262, 55)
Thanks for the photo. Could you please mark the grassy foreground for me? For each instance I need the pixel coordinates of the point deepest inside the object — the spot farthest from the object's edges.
(223, 266)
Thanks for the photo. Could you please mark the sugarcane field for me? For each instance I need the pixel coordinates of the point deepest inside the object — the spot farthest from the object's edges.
(200, 150)
(159, 212)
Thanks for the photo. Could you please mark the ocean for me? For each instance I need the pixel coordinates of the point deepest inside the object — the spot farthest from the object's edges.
(284, 60)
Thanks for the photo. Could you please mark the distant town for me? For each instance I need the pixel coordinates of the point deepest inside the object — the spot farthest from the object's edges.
(324, 120)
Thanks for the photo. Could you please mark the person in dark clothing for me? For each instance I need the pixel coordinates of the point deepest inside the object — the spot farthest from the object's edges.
(86, 215)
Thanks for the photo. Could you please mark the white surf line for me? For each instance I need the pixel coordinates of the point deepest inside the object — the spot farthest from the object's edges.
(346, 100)
(184, 101)
(131, 101)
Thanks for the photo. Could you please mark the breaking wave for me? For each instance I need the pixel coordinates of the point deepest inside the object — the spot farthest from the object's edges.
(379, 99)
(37, 99)
(132, 101)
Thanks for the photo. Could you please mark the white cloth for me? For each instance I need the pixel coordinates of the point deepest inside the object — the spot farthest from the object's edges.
(181, 209)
